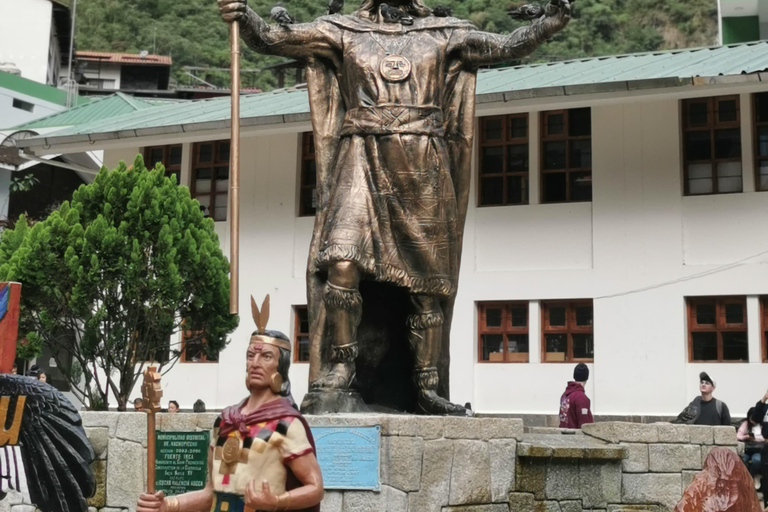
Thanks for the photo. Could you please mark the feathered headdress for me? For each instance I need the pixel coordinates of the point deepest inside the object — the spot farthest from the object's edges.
(261, 318)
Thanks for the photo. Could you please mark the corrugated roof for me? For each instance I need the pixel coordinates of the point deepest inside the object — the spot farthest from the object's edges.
(672, 67)
(105, 107)
(36, 89)
(123, 58)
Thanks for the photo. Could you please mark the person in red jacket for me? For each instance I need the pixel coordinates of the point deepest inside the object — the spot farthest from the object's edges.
(574, 405)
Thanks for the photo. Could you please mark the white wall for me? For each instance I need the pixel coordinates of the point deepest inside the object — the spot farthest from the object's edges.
(25, 36)
(103, 71)
(11, 116)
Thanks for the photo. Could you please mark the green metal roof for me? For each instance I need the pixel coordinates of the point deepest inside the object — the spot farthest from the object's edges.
(36, 89)
(600, 74)
(101, 108)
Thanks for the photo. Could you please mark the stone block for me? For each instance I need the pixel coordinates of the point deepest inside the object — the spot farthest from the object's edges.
(570, 506)
(471, 473)
(104, 419)
(125, 467)
(706, 449)
(672, 433)
(521, 502)
(99, 498)
(725, 436)
(673, 458)
(701, 434)
(429, 427)
(132, 427)
(563, 480)
(332, 501)
(494, 507)
(688, 477)
(394, 500)
(637, 459)
(546, 506)
(482, 428)
(633, 508)
(503, 452)
(652, 488)
(179, 422)
(23, 508)
(531, 476)
(363, 501)
(99, 438)
(600, 483)
(617, 431)
(401, 462)
(435, 477)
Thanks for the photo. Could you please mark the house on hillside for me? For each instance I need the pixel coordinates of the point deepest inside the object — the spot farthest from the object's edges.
(140, 74)
(742, 21)
(617, 217)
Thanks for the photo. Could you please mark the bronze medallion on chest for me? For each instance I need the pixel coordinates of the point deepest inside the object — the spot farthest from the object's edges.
(231, 450)
(230, 453)
(395, 68)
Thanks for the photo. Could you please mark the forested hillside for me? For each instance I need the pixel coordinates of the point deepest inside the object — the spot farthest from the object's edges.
(193, 34)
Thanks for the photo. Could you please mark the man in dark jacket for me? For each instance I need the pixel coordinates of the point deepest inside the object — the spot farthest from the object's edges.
(760, 415)
(705, 409)
(574, 405)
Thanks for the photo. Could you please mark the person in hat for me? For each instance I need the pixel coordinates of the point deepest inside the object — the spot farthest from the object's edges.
(705, 409)
(262, 455)
(575, 408)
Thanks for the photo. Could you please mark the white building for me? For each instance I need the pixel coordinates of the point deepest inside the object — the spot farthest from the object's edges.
(614, 243)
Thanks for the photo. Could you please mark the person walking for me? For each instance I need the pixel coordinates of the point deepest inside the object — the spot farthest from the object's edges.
(575, 407)
(705, 409)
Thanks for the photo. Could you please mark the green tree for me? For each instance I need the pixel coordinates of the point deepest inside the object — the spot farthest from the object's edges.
(108, 278)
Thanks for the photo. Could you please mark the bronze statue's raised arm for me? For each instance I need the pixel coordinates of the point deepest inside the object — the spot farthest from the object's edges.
(297, 41)
(481, 48)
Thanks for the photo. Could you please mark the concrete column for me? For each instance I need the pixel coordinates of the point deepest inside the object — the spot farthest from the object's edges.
(534, 158)
(754, 331)
(747, 143)
(534, 332)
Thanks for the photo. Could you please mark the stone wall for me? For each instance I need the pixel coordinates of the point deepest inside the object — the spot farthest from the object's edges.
(434, 464)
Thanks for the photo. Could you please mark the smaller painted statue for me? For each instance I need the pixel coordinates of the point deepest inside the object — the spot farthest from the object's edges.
(262, 455)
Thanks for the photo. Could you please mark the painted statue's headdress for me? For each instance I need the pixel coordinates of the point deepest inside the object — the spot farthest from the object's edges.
(261, 318)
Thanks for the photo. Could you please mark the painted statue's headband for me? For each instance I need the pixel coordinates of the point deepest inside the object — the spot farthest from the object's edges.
(261, 318)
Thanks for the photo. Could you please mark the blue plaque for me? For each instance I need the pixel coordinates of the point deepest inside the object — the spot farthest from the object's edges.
(348, 457)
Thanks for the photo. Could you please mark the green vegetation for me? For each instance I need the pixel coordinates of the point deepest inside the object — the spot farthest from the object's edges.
(108, 277)
(194, 35)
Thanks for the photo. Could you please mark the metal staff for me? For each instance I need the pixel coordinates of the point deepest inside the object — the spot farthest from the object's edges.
(150, 394)
(234, 171)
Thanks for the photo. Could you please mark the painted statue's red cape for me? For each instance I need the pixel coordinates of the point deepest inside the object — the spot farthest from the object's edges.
(233, 419)
(724, 485)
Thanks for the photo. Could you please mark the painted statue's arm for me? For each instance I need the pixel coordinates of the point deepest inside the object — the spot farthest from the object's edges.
(296, 41)
(259, 496)
(196, 501)
(482, 48)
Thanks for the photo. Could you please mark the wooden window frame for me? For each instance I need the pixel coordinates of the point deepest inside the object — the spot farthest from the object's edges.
(545, 137)
(170, 170)
(569, 329)
(183, 357)
(504, 142)
(712, 126)
(719, 326)
(307, 155)
(505, 329)
(297, 332)
(213, 164)
(756, 125)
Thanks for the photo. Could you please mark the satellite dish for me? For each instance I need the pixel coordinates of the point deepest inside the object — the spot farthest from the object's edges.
(143, 53)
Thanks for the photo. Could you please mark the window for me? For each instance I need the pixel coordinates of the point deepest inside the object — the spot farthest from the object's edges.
(308, 186)
(23, 105)
(761, 141)
(717, 329)
(712, 145)
(193, 349)
(566, 328)
(210, 177)
(503, 160)
(301, 334)
(169, 156)
(503, 332)
(566, 155)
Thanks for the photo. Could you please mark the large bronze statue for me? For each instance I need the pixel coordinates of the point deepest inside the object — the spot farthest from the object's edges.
(392, 97)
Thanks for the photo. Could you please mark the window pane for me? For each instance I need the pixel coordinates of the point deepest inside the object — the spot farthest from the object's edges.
(583, 346)
(205, 202)
(517, 190)
(493, 317)
(764, 175)
(223, 154)
(175, 155)
(303, 348)
(697, 113)
(557, 316)
(727, 111)
(579, 122)
(203, 181)
(729, 177)
(492, 191)
(517, 343)
(308, 201)
(554, 155)
(698, 146)
(705, 314)
(517, 158)
(700, 179)
(310, 172)
(554, 187)
(581, 186)
(222, 179)
(557, 345)
(735, 346)
(492, 129)
(220, 212)
(555, 124)
(762, 140)
(704, 346)
(583, 315)
(728, 143)
(581, 154)
(519, 316)
(309, 143)
(761, 107)
(518, 127)
(193, 350)
(493, 347)
(303, 315)
(493, 160)
(734, 313)
(155, 155)
(205, 152)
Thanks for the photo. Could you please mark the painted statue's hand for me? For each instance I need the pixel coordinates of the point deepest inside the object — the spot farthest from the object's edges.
(154, 502)
(558, 11)
(263, 500)
(232, 10)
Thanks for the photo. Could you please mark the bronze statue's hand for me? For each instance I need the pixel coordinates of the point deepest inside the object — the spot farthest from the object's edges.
(154, 502)
(263, 500)
(559, 12)
(232, 10)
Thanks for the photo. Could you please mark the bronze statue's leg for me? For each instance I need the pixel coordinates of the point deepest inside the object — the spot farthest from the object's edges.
(344, 306)
(425, 329)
